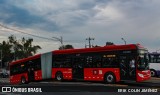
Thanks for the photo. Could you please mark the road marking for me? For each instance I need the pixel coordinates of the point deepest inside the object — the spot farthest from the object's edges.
(88, 83)
(123, 85)
(4, 80)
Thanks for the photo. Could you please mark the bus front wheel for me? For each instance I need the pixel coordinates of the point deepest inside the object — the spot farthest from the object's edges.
(153, 73)
(109, 78)
(59, 76)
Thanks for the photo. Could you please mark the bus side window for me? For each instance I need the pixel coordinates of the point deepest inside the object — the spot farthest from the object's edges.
(13, 69)
(97, 61)
(67, 62)
(115, 62)
(82, 61)
(104, 62)
(64, 61)
(88, 62)
(37, 64)
(110, 62)
(23, 67)
(16, 69)
(57, 61)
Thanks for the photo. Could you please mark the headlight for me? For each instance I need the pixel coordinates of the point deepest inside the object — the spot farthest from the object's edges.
(141, 75)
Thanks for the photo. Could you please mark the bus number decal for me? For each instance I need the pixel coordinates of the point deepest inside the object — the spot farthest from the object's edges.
(100, 72)
(95, 72)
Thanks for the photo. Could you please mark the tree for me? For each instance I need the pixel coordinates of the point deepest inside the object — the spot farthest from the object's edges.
(66, 47)
(96, 46)
(7, 56)
(27, 48)
(109, 43)
(24, 48)
(17, 49)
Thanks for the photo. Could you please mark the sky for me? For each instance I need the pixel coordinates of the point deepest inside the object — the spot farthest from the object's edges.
(137, 21)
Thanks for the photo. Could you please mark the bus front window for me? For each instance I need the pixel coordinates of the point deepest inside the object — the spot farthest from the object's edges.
(143, 61)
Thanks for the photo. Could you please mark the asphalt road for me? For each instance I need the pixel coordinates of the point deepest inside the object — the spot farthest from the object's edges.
(87, 87)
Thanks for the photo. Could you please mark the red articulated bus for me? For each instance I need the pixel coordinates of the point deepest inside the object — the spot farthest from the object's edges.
(110, 64)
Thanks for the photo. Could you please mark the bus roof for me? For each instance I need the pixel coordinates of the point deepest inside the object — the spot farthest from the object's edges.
(83, 50)
(25, 59)
(97, 49)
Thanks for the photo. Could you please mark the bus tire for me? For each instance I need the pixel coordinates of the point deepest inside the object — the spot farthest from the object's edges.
(59, 76)
(153, 73)
(109, 78)
(23, 80)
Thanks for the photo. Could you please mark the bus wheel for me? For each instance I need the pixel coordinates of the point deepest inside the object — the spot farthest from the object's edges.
(23, 80)
(59, 76)
(153, 73)
(109, 78)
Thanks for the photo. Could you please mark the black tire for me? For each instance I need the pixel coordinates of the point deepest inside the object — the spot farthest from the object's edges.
(153, 73)
(109, 78)
(23, 80)
(59, 76)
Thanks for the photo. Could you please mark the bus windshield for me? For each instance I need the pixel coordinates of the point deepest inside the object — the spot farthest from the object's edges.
(143, 60)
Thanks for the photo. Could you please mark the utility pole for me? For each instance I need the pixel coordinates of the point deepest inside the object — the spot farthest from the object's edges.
(60, 40)
(89, 40)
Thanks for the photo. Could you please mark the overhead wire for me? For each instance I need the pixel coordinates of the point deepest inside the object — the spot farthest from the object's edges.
(26, 33)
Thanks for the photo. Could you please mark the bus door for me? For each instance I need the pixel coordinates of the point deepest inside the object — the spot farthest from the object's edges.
(132, 68)
(30, 71)
(127, 68)
(78, 68)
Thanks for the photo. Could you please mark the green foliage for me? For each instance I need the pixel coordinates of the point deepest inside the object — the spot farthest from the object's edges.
(5, 48)
(66, 47)
(109, 43)
(17, 49)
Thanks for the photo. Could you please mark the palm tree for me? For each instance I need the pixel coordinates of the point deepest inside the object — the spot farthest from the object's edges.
(24, 47)
(28, 48)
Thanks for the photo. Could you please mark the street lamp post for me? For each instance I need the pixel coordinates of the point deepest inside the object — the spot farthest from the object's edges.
(124, 40)
(60, 40)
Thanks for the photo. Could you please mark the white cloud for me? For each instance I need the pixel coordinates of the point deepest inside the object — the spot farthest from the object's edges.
(134, 20)
(108, 13)
(58, 11)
